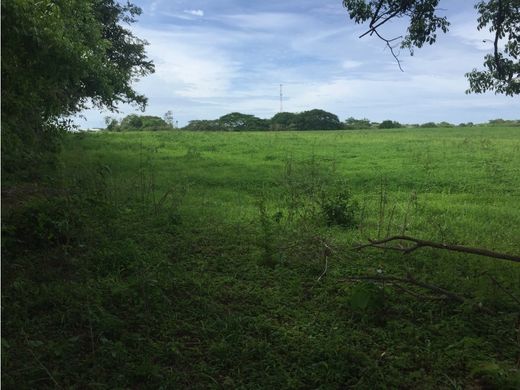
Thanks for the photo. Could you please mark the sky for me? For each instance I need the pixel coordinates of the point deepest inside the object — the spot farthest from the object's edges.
(213, 57)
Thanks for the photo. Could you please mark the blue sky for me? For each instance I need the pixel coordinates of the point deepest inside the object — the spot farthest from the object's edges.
(213, 57)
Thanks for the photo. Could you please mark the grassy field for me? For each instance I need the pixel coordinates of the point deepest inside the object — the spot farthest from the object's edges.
(224, 260)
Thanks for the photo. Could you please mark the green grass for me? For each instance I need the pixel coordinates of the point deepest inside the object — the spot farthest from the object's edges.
(197, 260)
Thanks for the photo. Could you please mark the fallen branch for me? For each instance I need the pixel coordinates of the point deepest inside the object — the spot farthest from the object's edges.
(501, 287)
(424, 243)
(410, 280)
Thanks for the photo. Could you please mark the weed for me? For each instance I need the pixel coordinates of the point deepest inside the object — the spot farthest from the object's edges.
(339, 209)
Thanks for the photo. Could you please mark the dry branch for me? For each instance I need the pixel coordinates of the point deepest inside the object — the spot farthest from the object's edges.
(396, 281)
(425, 243)
(409, 280)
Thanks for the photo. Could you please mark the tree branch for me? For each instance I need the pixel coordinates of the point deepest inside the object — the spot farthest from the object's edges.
(410, 280)
(424, 243)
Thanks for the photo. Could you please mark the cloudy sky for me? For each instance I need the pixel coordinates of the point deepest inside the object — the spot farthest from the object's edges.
(213, 57)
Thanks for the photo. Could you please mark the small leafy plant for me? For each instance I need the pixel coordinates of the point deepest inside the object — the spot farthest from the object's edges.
(339, 209)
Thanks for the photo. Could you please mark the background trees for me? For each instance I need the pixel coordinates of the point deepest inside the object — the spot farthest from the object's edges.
(242, 122)
(501, 71)
(57, 58)
(317, 120)
(307, 120)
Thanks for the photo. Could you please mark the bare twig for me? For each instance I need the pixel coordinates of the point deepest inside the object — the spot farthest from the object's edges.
(415, 294)
(325, 270)
(44, 368)
(425, 243)
(388, 41)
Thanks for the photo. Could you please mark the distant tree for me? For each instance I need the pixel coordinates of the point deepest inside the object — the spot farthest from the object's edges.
(388, 124)
(502, 17)
(504, 122)
(135, 122)
(353, 124)
(111, 123)
(317, 120)
(428, 124)
(445, 124)
(58, 57)
(168, 118)
(284, 121)
(131, 122)
(236, 121)
(202, 125)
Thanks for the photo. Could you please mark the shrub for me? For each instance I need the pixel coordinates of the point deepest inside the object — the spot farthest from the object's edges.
(339, 209)
(388, 124)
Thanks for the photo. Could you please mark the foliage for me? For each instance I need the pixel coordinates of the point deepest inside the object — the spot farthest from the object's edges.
(242, 122)
(135, 122)
(424, 21)
(235, 121)
(317, 120)
(168, 118)
(284, 121)
(388, 124)
(202, 125)
(354, 124)
(339, 209)
(501, 68)
(304, 121)
(503, 122)
(57, 57)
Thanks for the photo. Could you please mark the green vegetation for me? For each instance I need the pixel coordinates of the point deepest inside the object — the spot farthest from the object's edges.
(388, 124)
(57, 59)
(138, 123)
(306, 120)
(209, 260)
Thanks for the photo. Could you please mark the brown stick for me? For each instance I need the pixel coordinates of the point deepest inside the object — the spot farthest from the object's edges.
(409, 280)
(412, 281)
(424, 243)
(500, 286)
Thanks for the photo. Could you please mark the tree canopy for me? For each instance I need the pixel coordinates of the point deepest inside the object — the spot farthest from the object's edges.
(59, 56)
(501, 72)
(135, 122)
(307, 120)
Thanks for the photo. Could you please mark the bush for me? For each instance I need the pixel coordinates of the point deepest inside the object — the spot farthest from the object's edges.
(135, 122)
(353, 124)
(339, 209)
(388, 124)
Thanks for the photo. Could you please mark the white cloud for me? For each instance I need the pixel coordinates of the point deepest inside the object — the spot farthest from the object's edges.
(349, 64)
(194, 12)
(267, 21)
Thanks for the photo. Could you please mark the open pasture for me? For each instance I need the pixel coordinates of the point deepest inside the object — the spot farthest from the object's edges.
(210, 260)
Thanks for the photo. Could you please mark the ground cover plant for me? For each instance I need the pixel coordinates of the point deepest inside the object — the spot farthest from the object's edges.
(210, 260)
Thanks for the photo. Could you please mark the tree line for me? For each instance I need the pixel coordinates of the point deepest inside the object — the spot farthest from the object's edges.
(315, 119)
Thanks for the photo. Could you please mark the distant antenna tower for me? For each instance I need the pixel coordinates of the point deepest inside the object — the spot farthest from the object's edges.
(281, 97)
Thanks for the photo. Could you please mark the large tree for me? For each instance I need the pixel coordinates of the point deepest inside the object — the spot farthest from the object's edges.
(501, 72)
(58, 57)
